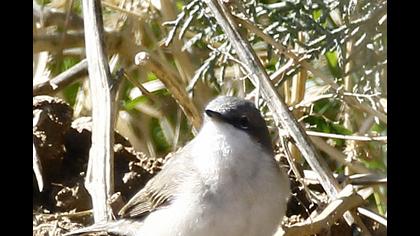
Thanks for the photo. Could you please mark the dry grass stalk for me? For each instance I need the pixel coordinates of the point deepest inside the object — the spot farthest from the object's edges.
(172, 84)
(100, 175)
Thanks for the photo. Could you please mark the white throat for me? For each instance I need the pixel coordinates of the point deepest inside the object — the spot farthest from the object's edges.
(222, 151)
(225, 141)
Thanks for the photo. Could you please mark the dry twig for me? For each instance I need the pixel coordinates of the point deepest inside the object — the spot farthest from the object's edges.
(172, 83)
(49, 17)
(347, 137)
(338, 155)
(62, 80)
(346, 200)
(99, 177)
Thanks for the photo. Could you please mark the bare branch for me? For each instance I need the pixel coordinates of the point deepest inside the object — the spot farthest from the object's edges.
(50, 17)
(367, 179)
(183, 61)
(372, 215)
(36, 162)
(99, 178)
(346, 201)
(53, 42)
(311, 177)
(338, 155)
(348, 137)
(172, 83)
(62, 80)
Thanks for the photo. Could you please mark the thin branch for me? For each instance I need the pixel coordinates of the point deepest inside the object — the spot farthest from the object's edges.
(311, 177)
(338, 156)
(40, 68)
(150, 86)
(347, 200)
(62, 80)
(117, 8)
(142, 89)
(99, 177)
(362, 95)
(36, 161)
(367, 179)
(182, 58)
(52, 41)
(50, 17)
(172, 84)
(372, 215)
(308, 101)
(347, 137)
(278, 75)
(37, 168)
(57, 216)
(294, 168)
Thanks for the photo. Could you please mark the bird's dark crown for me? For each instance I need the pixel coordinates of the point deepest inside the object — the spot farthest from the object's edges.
(243, 115)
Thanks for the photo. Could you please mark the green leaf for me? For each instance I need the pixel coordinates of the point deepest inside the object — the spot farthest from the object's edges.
(332, 61)
(43, 2)
(158, 137)
(129, 105)
(151, 76)
(379, 128)
(327, 107)
(70, 93)
(69, 63)
(375, 164)
(317, 123)
(59, 66)
(316, 14)
(179, 5)
(339, 129)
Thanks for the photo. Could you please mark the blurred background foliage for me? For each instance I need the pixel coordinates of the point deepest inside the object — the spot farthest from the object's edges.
(345, 40)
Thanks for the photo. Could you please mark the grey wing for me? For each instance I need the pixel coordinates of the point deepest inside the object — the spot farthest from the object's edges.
(160, 189)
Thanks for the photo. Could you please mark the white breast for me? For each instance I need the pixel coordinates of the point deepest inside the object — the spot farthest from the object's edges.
(236, 191)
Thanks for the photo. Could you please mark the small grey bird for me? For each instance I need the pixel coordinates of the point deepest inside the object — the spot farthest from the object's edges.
(224, 182)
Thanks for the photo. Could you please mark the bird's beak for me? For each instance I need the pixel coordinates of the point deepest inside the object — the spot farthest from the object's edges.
(214, 114)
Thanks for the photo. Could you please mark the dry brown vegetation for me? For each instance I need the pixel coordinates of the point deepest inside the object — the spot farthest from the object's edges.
(317, 70)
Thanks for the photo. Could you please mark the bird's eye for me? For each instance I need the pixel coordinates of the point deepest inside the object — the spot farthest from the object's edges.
(243, 122)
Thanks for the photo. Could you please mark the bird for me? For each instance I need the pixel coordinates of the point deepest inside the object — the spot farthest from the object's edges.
(225, 181)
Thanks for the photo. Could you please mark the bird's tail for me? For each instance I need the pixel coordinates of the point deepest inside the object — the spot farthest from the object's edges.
(120, 227)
